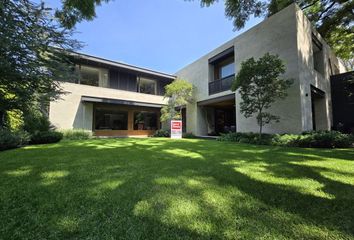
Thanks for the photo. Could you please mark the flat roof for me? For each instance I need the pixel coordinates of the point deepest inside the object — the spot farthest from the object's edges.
(122, 65)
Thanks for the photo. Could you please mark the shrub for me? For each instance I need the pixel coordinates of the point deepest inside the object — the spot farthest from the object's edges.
(9, 140)
(46, 137)
(188, 135)
(76, 134)
(319, 139)
(252, 138)
(162, 133)
(35, 121)
(325, 139)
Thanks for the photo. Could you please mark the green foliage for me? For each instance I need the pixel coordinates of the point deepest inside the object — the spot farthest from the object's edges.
(162, 133)
(9, 140)
(46, 137)
(74, 11)
(36, 121)
(76, 134)
(179, 93)
(315, 139)
(260, 85)
(30, 65)
(240, 11)
(14, 120)
(251, 138)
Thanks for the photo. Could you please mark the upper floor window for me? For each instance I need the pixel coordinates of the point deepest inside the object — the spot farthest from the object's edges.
(147, 86)
(89, 76)
(224, 69)
(317, 53)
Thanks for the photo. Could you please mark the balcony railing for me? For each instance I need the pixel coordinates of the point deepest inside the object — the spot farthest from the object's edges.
(221, 85)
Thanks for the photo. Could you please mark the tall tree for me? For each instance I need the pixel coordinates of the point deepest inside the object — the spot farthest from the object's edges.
(260, 85)
(179, 93)
(33, 55)
(74, 11)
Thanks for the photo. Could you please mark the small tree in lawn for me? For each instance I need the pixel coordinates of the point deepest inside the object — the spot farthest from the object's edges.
(179, 93)
(260, 85)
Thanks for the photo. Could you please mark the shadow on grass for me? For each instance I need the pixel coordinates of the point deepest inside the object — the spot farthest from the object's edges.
(158, 188)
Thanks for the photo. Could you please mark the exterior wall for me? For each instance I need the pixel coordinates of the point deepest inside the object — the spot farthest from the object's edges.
(276, 35)
(309, 76)
(69, 112)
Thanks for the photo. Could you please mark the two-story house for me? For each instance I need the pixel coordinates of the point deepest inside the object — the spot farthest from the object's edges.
(115, 99)
(111, 99)
(309, 62)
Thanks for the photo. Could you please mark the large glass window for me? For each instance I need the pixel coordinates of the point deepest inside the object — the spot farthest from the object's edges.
(224, 69)
(106, 119)
(145, 121)
(89, 76)
(147, 86)
(317, 53)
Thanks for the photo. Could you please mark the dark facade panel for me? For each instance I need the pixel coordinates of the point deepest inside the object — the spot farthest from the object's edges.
(122, 80)
(342, 88)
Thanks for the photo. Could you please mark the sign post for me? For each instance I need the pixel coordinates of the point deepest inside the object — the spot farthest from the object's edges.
(176, 129)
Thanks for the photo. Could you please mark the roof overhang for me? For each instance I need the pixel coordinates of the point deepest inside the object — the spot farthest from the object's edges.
(216, 100)
(119, 102)
(122, 65)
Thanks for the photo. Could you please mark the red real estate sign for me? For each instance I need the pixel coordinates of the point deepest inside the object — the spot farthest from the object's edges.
(176, 129)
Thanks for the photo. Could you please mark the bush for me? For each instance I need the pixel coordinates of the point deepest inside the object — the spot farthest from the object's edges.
(319, 139)
(325, 139)
(46, 137)
(162, 133)
(9, 140)
(35, 121)
(252, 138)
(188, 135)
(76, 134)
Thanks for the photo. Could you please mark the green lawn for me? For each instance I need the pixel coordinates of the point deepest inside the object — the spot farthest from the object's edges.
(175, 189)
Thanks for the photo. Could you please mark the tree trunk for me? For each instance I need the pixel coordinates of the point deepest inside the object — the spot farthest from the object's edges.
(260, 124)
(260, 131)
(2, 119)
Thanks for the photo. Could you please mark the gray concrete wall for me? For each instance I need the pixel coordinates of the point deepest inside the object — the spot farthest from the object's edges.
(276, 35)
(309, 76)
(69, 112)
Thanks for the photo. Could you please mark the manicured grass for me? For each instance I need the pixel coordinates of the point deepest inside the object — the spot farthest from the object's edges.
(175, 189)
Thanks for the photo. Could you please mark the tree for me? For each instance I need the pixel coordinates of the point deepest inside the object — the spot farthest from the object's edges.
(33, 55)
(332, 18)
(179, 93)
(74, 11)
(260, 85)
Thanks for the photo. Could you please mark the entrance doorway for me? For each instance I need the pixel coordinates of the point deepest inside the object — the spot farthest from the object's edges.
(225, 119)
(218, 115)
(318, 107)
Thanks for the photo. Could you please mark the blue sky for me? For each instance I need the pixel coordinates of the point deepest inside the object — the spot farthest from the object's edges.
(163, 35)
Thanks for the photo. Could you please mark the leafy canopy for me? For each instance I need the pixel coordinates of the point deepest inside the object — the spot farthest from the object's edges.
(179, 93)
(259, 85)
(33, 55)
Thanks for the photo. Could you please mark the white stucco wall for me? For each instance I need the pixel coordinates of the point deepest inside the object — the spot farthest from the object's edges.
(69, 112)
